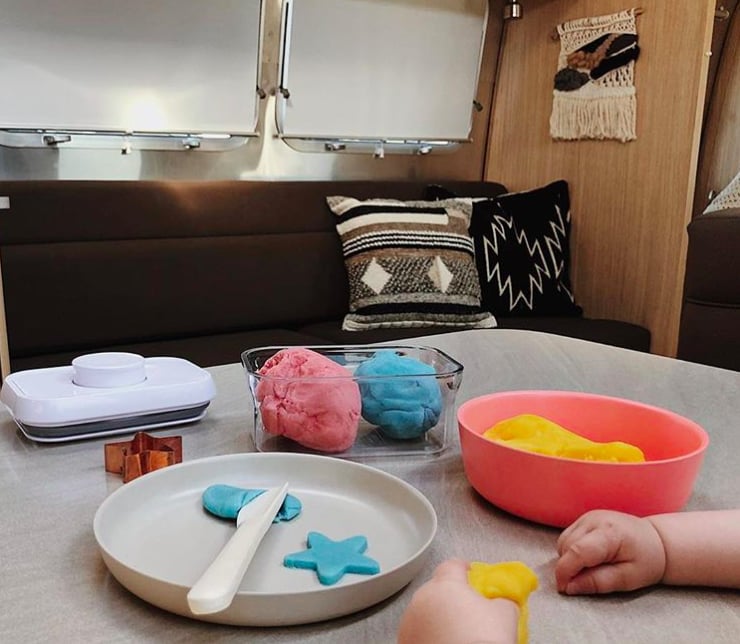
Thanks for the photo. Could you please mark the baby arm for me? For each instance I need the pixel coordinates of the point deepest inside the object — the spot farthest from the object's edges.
(702, 548)
(447, 610)
(606, 551)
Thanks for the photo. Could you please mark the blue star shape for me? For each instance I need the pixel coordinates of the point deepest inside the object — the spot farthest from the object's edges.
(333, 559)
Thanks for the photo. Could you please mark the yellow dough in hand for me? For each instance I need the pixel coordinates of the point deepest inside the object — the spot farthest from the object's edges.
(537, 434)
(506, 580)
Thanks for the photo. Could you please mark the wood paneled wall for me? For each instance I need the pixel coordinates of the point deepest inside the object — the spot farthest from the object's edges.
(631, 202)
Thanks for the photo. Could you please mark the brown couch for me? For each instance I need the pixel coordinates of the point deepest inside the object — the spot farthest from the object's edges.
(201, 270)
(710, 319)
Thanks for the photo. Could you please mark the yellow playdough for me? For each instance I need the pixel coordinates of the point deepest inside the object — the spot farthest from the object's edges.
(537, 434)
(506, 580)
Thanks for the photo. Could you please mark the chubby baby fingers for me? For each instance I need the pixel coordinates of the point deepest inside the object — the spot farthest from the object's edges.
(606, 578)
(584, 524)
(582, 550)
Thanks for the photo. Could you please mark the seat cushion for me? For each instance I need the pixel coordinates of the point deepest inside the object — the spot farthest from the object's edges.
(613, 332)
(333, 332)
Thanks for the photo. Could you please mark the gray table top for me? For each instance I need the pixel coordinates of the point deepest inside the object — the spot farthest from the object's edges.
(54, 585)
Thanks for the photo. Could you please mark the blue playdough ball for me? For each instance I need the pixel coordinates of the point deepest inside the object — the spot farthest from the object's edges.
(402, 408)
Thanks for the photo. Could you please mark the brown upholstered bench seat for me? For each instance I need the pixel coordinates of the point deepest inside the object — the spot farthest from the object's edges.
(202, 270)
(619, 334)
(710, 319)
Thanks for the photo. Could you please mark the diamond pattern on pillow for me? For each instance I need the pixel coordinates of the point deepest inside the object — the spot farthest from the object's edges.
(409, 264)
(522, 249)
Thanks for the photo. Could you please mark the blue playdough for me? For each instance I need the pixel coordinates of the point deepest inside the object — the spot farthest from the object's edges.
(333, 559)
(402, 408)
(225, 501)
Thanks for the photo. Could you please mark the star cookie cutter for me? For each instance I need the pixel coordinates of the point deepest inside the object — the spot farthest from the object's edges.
(142, 454)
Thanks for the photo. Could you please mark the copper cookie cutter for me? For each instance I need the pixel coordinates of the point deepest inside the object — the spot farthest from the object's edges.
(142, 454)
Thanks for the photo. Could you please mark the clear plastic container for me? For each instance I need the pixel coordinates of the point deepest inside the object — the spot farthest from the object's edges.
(427, 395)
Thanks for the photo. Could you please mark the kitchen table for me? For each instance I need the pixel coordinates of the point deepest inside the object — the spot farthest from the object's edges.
(55, 587)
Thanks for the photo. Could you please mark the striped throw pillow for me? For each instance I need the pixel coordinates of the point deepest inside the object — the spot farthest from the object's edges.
(409, 264)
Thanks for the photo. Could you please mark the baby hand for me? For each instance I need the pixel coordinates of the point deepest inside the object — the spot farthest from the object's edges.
(447, 610)
(605, 551)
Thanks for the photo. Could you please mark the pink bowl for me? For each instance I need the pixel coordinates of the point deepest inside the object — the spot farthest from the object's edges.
(556, 491)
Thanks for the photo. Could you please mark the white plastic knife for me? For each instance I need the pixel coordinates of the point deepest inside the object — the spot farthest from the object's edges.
(217, 586)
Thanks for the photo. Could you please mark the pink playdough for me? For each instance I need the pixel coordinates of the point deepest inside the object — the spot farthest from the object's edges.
(309, 398)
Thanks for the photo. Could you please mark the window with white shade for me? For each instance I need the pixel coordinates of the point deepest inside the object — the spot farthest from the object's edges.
(385, 70)
(137, 67)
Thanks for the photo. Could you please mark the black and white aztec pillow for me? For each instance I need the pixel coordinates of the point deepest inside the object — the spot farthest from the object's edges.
(409, 264)
(522, 246)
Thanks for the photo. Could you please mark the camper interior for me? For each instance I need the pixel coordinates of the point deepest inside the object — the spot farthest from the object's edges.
(540, 198)
(404, 90)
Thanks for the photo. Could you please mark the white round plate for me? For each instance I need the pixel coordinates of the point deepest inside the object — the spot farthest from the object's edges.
(156, 538)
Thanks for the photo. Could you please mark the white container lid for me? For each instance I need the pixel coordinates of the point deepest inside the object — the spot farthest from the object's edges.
(114, 369)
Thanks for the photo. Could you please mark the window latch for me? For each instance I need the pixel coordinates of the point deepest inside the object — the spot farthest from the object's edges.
(56, 139)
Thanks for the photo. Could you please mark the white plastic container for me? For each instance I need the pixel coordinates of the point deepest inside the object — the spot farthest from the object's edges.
(105, 394)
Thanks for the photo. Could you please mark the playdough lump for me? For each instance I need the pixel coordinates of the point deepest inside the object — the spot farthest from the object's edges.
(333, 559)
(537, 434)
(402, 407)
(225, 501)
(508, 580)
(310, 399)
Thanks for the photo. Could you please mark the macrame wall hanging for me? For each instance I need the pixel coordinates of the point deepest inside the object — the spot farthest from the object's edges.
(594, 95)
